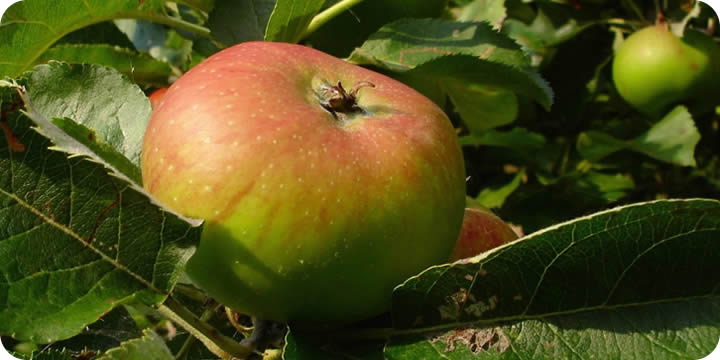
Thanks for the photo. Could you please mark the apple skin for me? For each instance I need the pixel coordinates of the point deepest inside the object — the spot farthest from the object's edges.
(308, 218)
(481, 231)
(156, 97)
(653, 69)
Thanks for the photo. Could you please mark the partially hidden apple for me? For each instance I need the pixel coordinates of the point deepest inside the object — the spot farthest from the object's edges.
(322, 184)
(156, 97)
(481, 231)
(653, 69)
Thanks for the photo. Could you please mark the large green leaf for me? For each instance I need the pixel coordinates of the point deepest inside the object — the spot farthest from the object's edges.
(30, 27)
(75, 241)
(636, 281)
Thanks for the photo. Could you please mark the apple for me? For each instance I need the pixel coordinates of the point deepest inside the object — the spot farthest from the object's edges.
(481, 231)
(156, 97)
(654, 69)
(322, 184)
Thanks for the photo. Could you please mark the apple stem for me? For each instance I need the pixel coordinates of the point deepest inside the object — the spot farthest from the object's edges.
(339, 102)
(326, 15)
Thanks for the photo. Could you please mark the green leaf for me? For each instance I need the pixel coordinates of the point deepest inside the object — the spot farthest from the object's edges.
(100, 99)
(108, 332)
(494, 197)
(101, 33)
(409, 43)
(672, 140)
(236, 21)
(137, 66)
(76, 241)
(471, 70)
(621, 283)
(349, 29)
(482, 107)
(518, 138)
(149, 346)
(30, 27)
(492, 11)
(613, 187)
(203, 5)
(463, 57)
(290, 18)
(595, 145)
(52, 355)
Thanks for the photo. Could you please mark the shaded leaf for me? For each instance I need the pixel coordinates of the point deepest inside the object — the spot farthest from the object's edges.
(290, 18)
(233, 22)
(406, 44)
(458, 55)
(149, 346)
(52, 355)
(101, 33)
(492, 11)
(518, 138)
(136, 66)
(108, 332)
(467, 69)
(343, 33)
(494, 197)
(155, 39)
(482, 107)
(672, 140)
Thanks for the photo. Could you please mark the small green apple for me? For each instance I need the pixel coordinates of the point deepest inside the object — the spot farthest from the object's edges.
(481, 231)
(653, 69)
(323, 185)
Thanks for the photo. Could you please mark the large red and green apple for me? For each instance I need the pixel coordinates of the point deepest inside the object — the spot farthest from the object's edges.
(481, 231)
(653, 69)
(322, 184)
